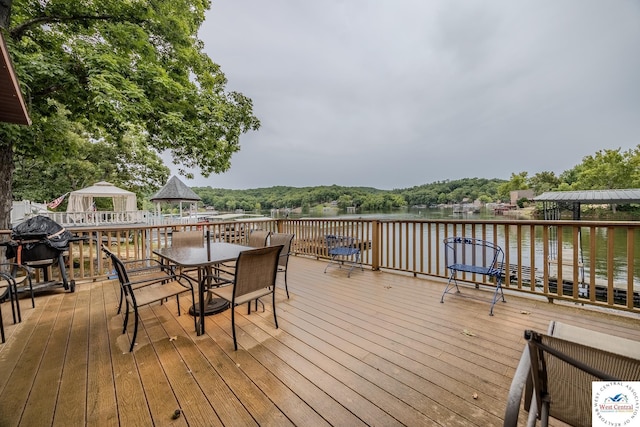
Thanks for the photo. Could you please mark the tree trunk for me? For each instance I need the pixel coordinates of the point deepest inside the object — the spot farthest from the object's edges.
(6, 181)
(5, 13)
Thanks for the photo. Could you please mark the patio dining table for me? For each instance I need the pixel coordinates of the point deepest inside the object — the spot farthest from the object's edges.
(204, 259)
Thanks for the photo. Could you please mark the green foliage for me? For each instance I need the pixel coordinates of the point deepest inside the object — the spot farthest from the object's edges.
(610, 165)
(517, 182)
(608, 169)
(544, 181)
(364, 198)
(111, 85)
(291, 197)
(451, 191)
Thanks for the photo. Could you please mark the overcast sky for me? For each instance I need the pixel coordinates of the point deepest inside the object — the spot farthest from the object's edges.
(398, 93)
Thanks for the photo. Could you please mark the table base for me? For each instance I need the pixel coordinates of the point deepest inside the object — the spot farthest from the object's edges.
(216, 305)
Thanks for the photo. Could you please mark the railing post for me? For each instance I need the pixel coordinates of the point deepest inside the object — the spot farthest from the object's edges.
(375, 245)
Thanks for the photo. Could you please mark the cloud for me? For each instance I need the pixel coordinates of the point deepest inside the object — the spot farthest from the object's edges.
(392, 94)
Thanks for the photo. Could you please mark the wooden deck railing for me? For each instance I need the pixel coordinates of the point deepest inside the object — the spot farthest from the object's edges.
(594, 262)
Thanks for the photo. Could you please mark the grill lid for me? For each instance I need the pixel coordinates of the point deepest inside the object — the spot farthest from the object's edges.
(44, 229)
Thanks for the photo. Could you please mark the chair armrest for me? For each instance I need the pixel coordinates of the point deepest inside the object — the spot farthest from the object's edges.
(147, 265)
(11, 272)
(14, 267)
(217, 281)
(150, 279)
(520, 378)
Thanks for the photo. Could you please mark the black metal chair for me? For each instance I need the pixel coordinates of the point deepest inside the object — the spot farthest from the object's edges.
(258, 238)
(255, 277)
(8, 291)
(143, 272)
(159, 290)
(557, 369)
(285, 240)
(13, 276)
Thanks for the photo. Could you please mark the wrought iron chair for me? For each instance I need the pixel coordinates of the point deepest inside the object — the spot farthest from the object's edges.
(159, 290)
(285, 240)
(255, 277)
(341, 250)
(474, 257)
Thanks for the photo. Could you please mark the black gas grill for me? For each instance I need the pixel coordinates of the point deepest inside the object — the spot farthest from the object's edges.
(41, 243)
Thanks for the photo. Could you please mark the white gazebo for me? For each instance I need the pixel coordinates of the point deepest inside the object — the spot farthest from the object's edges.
(81, 207)
(175, 191)
(82, 200)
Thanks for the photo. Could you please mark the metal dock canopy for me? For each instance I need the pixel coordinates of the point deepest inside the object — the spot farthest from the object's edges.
(552, 199)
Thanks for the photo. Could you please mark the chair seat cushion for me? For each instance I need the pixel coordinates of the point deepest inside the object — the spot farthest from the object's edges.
(19, 280)
(227, 294)
(474, 269)
(343, 251)
(156, 292)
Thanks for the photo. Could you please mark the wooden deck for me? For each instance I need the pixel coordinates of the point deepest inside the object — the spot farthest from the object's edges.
(374, 349)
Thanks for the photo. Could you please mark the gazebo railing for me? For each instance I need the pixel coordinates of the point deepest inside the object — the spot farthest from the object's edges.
(96, 218)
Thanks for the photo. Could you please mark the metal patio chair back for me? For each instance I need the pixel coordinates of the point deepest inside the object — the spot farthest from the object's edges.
(255, 277)
(285, 240)
(191, 238)
(557, 370)
(258, 238)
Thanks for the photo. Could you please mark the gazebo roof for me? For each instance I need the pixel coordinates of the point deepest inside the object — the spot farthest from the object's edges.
(622, 196)
(175, 190)
(103, 189)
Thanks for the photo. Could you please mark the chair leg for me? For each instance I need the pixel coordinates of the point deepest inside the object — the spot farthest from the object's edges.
(233, 328)
(33, 301)
(286, 287)
(13, 297)
(135, 329)
(331, 261)
(275, 319)
(1, 327)
(195, 318)
(495, 296)
(450, 287)
(126, 319)
(120, 302)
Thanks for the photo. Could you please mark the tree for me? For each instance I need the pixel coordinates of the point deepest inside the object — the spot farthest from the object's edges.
(544, 181)
(125, 79)
(608, 169)
(517, 182)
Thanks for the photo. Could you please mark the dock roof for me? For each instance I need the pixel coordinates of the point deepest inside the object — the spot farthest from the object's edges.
(617, 196)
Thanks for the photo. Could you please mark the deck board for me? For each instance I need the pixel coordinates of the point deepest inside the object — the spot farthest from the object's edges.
(75, 372)
(377, 348)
